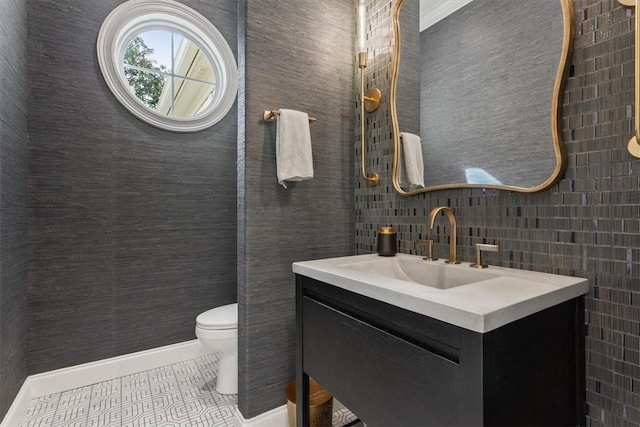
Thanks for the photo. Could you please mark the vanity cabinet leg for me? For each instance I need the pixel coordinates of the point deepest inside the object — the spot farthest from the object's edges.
(302, 379)
(302, 395)
(581, 386)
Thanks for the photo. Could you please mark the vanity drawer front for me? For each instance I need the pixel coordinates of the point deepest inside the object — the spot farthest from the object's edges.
(391, 382)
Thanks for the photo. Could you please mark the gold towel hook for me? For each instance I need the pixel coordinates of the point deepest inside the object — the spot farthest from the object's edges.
(634, 142)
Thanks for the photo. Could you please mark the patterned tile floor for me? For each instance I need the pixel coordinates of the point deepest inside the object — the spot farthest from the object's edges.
(180, 395)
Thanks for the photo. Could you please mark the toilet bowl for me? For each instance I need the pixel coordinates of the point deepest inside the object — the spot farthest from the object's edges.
(217, 330)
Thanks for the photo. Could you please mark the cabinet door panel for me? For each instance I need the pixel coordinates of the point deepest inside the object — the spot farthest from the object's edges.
(384, 379)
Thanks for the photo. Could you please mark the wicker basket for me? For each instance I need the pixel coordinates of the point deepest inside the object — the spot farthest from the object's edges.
(320, 405)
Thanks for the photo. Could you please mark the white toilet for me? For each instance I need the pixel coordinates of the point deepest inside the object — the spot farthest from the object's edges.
(217, 330)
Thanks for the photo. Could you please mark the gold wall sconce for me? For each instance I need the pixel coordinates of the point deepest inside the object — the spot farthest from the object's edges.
(634, 142)
(369, 101)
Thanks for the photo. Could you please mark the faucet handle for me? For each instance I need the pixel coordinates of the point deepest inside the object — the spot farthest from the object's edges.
(429, 245)
(483, 247)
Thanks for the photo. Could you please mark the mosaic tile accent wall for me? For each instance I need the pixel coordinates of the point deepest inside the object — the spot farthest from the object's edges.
(13, 203)
(586, 225)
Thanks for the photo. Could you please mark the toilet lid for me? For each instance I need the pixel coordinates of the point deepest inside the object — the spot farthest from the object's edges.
(223, 317)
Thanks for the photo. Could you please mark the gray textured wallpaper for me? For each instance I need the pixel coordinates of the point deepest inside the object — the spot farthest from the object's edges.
(587, 225)
(13, 204)
(132, 229)
(299, 55)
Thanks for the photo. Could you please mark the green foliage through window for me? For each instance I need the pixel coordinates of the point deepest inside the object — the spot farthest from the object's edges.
(147, 85)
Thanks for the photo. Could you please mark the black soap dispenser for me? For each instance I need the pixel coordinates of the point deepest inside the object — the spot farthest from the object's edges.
(387, 241)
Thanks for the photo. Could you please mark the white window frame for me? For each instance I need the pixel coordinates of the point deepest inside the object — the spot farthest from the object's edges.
(137, 16)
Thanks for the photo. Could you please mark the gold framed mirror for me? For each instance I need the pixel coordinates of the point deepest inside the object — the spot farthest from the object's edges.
(491, 79)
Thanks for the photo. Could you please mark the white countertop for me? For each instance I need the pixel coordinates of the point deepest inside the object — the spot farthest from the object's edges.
(481, 306)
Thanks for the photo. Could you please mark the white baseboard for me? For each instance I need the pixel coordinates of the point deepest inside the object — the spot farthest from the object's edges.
(94, 372)
(114, 367)
(18, 407)
(274, 418)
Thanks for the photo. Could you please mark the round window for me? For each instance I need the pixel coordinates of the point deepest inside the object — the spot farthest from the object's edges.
(167, 64)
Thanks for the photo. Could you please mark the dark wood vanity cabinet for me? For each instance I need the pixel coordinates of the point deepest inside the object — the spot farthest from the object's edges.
(393, 367)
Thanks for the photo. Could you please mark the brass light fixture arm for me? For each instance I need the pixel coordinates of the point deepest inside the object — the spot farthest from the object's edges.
(634, 142)
(373, 178)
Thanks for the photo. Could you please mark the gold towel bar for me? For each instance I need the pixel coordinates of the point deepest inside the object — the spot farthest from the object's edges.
(270, 115)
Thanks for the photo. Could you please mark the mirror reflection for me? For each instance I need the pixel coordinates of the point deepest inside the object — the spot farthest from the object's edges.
(169, 73)
(478, 93)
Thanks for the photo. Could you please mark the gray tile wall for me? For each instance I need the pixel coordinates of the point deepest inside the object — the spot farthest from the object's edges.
(296, 54)
(587, 225)
(13, 203)
(132, 229)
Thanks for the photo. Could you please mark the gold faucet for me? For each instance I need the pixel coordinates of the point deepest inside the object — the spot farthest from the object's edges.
(453, 252)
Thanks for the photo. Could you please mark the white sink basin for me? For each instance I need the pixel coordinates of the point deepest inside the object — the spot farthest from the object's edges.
(478, 300)
(416, 270)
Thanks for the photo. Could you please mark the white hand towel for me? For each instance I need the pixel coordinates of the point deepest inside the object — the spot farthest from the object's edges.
(294, 160)
(411, 162)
